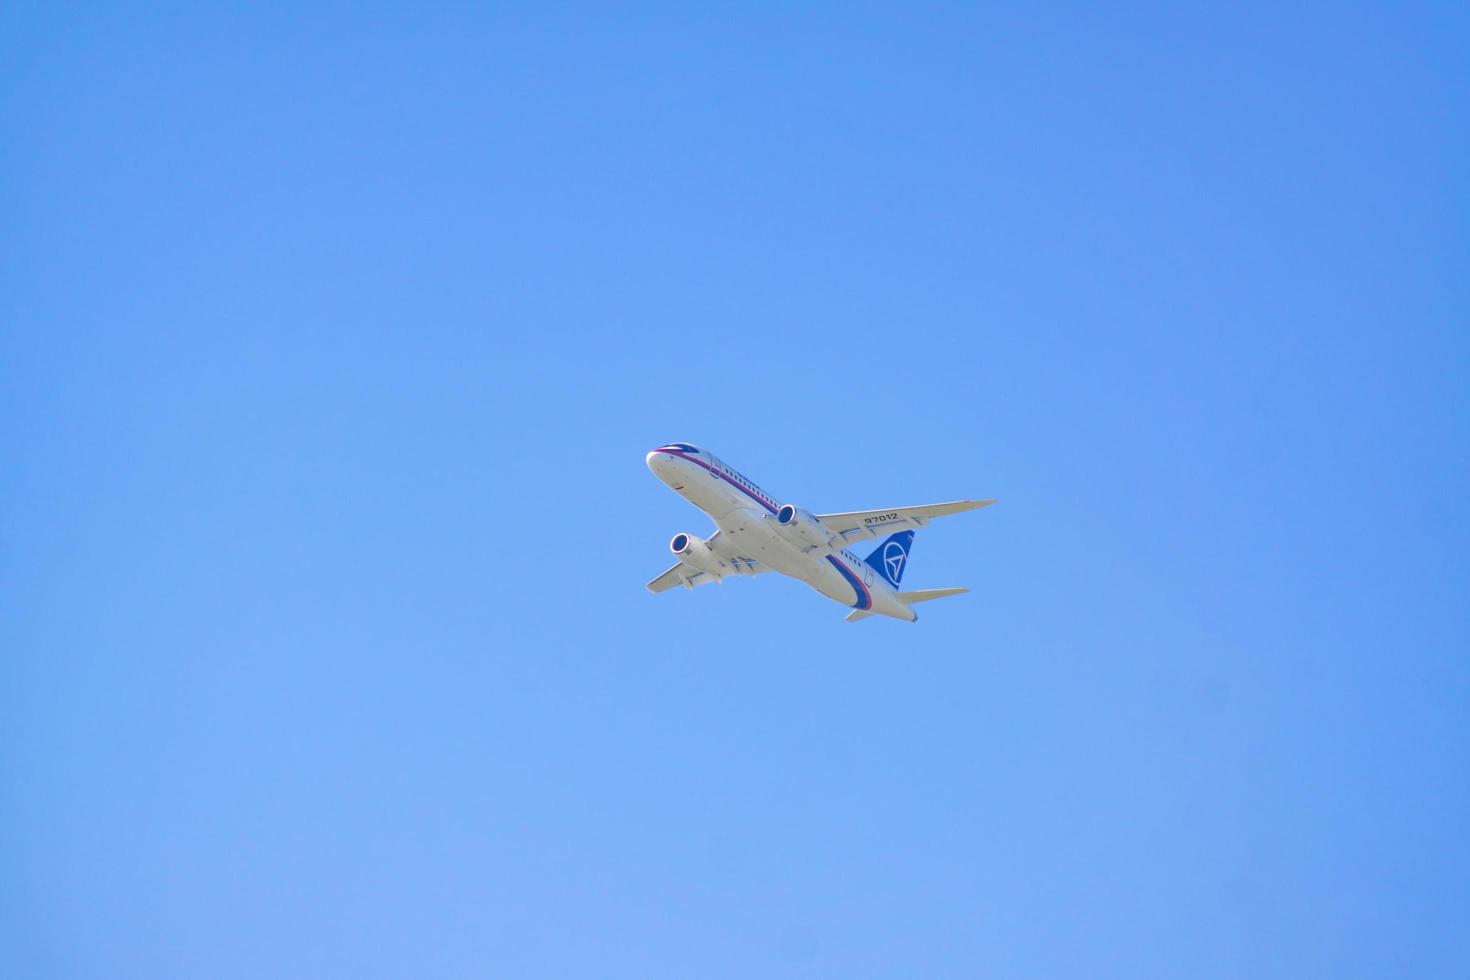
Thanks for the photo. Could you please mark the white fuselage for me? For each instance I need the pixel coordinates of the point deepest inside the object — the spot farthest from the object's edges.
(746, 516)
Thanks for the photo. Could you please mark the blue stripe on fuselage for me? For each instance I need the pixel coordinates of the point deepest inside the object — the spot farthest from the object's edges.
(864, 598)
(717, 473)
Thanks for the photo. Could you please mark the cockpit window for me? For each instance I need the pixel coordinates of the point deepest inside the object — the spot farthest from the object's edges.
(683, 447)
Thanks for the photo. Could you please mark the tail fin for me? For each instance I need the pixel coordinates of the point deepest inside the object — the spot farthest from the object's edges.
(891, 557)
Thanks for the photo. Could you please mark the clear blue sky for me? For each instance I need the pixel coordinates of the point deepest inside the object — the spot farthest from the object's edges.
(333, 340)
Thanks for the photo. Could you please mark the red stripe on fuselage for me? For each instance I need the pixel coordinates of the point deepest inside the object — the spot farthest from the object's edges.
(722, 476)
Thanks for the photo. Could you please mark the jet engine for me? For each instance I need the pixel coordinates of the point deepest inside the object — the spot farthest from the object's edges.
(697, 553)
(802, 529)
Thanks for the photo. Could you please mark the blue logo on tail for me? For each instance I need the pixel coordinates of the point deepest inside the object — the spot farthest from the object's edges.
(891, 557)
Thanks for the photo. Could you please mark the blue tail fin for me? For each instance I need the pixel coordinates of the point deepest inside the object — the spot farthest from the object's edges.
(892, 556)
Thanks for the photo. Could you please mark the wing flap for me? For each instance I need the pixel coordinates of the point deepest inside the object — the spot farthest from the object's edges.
(691, 577)
(680, 574)
(858, 524)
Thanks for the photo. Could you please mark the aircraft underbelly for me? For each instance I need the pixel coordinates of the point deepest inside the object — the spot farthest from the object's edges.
(749, 531)
(832, 583)
(752, 534)
(708, 497)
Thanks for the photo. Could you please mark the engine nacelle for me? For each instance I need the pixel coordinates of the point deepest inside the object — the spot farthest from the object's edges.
(802, 529)
(696, 553)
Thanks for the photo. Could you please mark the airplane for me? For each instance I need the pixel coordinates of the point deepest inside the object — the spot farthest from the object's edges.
(756, 534)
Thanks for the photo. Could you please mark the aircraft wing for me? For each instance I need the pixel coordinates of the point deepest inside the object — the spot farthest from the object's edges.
(689, 576)
(859, 524)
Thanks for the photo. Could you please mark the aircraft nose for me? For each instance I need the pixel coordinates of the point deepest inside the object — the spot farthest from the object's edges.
(658, 462)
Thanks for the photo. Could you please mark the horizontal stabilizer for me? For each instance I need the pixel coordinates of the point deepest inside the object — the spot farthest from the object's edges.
(924, 595)
(858, 614)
